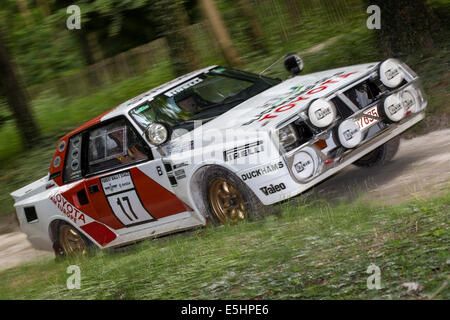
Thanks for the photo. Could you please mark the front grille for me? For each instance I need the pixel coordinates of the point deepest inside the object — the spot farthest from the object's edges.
(303, 131)
(343, 110)
(363, 94)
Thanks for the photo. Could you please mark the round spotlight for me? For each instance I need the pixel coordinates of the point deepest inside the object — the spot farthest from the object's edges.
(157, 133)
(393, 108)
(390, 73)
(410, 101)
(322, 113)
(303, 165)
(349, 134)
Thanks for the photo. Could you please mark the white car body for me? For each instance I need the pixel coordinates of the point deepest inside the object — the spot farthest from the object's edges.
(241, 140)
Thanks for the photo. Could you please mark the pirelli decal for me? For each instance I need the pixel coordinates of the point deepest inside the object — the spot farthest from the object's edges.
(243, 151)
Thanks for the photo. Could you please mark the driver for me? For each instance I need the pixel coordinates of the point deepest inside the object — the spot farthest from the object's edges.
(115, 144)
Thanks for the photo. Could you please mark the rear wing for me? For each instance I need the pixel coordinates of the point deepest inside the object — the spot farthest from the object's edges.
(31, 189)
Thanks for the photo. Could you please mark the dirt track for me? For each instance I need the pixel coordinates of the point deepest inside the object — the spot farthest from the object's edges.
(421, 169)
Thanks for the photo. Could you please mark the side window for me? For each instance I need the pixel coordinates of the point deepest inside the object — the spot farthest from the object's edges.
(114, 145)
(72, 165)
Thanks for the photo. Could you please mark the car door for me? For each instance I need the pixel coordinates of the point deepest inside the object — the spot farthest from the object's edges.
(123, 195)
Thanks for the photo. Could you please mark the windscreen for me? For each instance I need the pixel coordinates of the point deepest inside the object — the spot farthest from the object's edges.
(203, 97)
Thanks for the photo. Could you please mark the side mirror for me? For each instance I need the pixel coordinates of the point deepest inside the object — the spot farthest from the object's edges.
(158, 133)
(293, 63)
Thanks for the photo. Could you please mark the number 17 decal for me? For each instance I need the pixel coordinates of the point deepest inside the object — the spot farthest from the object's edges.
(124, 200)
(129, 206)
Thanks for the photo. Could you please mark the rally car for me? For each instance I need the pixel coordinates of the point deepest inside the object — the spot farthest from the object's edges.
(217, 145)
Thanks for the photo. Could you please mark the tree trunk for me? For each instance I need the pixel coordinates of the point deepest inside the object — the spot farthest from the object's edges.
(179, 39)
(45, 7)
(220, 32)
(17, 98)
(294, 12)
(24, 11)
(406, 26)
(255, 30)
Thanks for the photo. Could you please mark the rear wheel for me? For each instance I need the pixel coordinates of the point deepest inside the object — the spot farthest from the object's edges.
(380, 155)
(228, 199)
(71, 241)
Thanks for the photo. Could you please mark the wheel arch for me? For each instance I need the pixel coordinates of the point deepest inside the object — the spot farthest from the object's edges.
(196, 185)
(53, 230)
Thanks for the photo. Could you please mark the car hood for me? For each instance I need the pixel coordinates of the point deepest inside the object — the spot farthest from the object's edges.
(284, 100)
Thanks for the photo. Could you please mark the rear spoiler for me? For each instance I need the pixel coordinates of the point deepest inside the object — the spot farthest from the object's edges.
(31, 189)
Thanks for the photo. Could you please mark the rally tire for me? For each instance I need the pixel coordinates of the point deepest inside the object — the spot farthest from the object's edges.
(71, 242)
(213, 182)
(380, 155)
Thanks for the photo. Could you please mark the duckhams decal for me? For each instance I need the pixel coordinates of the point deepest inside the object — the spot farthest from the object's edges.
(296, 95)
(271, 168)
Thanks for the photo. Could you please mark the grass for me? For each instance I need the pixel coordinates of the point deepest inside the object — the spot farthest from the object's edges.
(311, 250)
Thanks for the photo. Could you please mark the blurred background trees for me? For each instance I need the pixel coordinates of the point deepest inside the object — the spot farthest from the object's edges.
(131, 45)
(16, 97)
(406, 26)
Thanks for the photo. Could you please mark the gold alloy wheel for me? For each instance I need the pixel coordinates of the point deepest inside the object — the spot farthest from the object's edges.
(226, 201)
(71, 241)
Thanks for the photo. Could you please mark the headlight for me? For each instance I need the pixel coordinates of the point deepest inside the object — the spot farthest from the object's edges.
(393, 108)
(288, 137)
(322, 113)
(349, 134)
(157, 133)
(305, 163)
(390, 73)
(410, 101)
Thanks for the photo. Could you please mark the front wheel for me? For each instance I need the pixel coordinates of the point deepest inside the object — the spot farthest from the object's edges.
(380, 155)
(228, 199)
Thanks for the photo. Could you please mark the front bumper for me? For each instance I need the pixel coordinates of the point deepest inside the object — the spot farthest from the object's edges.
(283, 185)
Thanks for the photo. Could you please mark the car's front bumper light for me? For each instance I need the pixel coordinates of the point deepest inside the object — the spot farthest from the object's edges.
(391, 73)
(288, 137)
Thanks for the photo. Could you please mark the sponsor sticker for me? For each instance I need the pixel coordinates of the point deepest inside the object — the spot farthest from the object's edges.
(300, 166)
(180, 174)
(117, 183)
(271, 168)
(272, 111)
(270, 189)
(183, 87)
(68, 209)
(243, 151)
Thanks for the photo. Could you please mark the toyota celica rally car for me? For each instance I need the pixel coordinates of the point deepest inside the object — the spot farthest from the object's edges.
(217, 145)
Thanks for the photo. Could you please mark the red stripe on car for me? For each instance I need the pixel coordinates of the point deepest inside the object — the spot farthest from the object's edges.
(101, 234)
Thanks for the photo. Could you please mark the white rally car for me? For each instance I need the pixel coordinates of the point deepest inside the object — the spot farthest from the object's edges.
(216, 145)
